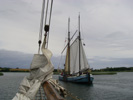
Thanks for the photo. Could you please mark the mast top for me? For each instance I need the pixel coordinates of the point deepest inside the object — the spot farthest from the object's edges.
(79, 26)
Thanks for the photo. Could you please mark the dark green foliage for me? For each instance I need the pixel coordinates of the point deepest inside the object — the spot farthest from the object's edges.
(115, 69)
(55, 70)
(103, 73)
(5, 69)
(1, 74)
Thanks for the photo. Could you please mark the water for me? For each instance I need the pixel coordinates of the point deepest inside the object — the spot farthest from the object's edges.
(9, 84)
(105, 87)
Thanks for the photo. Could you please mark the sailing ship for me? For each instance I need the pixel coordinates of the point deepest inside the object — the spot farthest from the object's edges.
(76, 67)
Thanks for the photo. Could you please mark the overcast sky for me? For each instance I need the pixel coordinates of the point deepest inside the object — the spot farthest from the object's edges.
(106, 26)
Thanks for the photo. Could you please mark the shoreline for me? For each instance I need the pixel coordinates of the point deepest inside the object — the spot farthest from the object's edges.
(57, 73)
(103, 73)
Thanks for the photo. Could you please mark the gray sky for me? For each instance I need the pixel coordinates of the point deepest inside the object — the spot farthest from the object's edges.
(106, 26)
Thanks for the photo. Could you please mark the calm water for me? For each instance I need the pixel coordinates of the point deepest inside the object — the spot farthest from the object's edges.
(105, 87)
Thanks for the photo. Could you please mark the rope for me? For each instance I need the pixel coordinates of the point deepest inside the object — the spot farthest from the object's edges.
(46, 32)
(50, 20)
(59, 62)
(46, 12)
(42, 22)
(61, 55)
(41, 26)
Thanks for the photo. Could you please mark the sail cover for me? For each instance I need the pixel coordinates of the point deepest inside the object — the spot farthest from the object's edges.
(74, 57)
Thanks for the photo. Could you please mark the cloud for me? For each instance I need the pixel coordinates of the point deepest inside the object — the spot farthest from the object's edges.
(14, 59)
(103, 62)
(106, 26)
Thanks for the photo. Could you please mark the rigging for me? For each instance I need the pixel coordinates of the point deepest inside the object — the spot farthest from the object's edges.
(46, 25)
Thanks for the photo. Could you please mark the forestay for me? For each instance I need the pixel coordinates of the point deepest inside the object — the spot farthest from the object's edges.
(74, 57)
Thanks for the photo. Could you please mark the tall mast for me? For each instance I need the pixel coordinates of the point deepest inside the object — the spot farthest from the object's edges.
(79, 45)
(68, 45)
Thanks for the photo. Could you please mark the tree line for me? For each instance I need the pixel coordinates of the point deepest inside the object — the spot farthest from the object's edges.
(107, 69)
(117, 69)
(6, 69)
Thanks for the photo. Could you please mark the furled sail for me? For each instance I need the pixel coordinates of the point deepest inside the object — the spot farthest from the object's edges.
(74, 57)
(41, 71)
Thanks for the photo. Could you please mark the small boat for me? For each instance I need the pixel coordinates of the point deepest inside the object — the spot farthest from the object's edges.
(76, 67)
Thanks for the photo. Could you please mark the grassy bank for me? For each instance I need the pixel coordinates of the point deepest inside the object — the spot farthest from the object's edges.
(13, 70)
(103, 73)
(19, 70)
(1, 74)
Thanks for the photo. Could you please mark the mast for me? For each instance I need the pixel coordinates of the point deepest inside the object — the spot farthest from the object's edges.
(79, 45)
(68, 45)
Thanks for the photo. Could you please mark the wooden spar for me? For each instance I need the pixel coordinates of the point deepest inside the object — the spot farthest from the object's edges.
(79, 46)
(68, 45)
(50, 92)
(70, 40)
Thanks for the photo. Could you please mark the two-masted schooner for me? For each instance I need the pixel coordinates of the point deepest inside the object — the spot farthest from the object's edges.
(76, 67)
